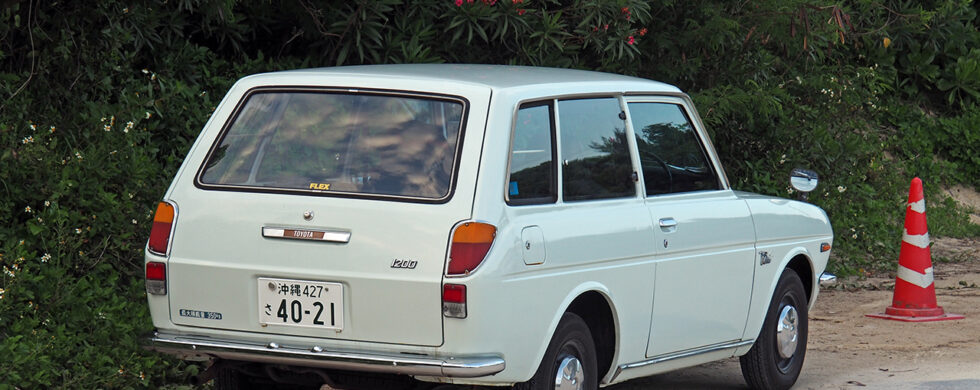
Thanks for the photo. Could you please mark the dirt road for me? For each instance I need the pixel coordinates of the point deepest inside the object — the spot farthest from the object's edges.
(850, 351)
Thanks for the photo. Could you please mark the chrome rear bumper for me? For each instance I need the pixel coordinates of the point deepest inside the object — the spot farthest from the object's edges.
(202, 348)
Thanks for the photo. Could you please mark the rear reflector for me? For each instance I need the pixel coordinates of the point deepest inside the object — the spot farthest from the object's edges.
(454, 300)
(162, 224)
(156, 278)
(471, 242)
(824, 247)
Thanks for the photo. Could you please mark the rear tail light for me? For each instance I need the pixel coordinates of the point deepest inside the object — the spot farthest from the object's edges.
(471, 242)
(454, 300)
(163, 222)
(156, 278)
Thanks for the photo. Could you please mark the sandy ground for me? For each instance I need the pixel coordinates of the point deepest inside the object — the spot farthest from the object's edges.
(848, 350)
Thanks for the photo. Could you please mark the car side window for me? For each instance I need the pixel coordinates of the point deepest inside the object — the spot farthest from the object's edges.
(671, 155)
(594, 153)
(532, 156)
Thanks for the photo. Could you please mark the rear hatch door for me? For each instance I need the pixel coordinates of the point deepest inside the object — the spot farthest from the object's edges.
(324, 213)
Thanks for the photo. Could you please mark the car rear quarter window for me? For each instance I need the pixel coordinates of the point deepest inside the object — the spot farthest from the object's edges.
(594, 151)
(671, 154)
(338, 142)
(532, 168)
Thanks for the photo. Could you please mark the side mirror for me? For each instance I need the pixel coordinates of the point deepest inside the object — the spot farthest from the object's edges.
(803, 180)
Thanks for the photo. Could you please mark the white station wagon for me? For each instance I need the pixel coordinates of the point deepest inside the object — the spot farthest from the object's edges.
(419, 225)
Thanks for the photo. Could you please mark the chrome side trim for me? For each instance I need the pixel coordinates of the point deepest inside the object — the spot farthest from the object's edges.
(190, 347)
(340, 236)
(679, 355)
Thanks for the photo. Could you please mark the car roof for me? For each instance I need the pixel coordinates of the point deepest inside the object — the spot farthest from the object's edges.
(497, 77)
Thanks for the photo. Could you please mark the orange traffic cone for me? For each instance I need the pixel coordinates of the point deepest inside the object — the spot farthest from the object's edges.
(915, 293)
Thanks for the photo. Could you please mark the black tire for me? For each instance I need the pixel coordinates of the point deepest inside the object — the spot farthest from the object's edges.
(572, 339)
(764, 367)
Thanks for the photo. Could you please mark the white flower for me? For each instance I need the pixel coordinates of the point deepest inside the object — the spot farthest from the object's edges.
(27, 209)
(107, 128)
(789, 190)
(8, 272)
(33, 127)
(27, 140)
(148, 115)
(78, 231)
(854, 236)
(47, 203)
(153, 76)
(51, 130)
(39, 220)
(45, 258)
(134, 222)
(78, 155)
(145, 71)
(841, 189)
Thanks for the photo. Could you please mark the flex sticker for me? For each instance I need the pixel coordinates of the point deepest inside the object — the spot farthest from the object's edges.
(320, 186)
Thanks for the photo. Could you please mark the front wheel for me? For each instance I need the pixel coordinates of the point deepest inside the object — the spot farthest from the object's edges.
(569, 362)
(775, 361)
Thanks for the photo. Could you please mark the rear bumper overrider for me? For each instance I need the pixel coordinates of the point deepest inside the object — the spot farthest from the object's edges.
(203, 348)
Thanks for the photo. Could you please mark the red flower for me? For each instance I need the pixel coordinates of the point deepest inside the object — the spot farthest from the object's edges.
(626, 10)
(459, 3)
(643, 31)
(605, 27)
(630, 41)
(521, 11)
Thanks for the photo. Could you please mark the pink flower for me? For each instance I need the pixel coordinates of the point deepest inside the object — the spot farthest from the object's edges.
(643, 31)
(631, 40)
(459, 3)
(521, 11)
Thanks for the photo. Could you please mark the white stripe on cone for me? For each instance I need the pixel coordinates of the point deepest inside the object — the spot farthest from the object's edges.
(919, 207)
(919, 240)
(914, 277)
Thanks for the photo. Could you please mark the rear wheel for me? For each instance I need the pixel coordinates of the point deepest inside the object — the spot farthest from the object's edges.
(569, 362)
(775, 361)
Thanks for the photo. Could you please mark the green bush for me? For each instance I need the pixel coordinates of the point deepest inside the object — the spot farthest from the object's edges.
(99, 102)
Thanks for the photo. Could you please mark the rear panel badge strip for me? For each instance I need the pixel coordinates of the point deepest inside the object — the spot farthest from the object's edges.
(306, 234)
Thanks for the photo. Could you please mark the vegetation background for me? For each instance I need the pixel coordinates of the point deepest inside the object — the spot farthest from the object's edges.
(100, 100)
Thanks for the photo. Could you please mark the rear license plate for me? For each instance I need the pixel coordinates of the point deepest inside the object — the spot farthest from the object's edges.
(301, 303)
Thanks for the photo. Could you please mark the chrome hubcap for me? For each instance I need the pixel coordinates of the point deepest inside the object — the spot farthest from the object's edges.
(787, 334)
(570, 375)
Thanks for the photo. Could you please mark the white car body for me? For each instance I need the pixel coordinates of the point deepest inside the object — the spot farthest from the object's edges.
(674, 280)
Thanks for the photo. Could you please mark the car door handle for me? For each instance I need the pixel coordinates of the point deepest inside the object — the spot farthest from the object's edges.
(668, 224)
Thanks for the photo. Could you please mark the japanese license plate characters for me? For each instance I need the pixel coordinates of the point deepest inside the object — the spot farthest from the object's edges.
(301, 303)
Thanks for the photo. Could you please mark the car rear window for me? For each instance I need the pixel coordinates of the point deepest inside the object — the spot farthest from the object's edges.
(339, 142)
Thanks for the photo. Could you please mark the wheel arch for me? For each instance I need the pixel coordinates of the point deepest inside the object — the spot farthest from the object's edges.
(591, 301)
(803, 266)
(597, 311)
